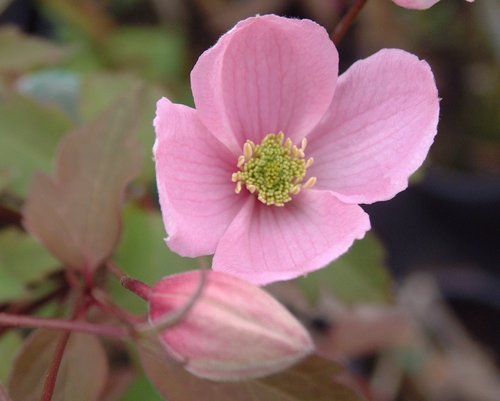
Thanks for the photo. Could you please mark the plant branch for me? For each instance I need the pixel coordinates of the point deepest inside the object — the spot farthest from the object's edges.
(24, 308)
(138, 287)
(103, 301)
(57, 324)
(347, 20)
(51, 379)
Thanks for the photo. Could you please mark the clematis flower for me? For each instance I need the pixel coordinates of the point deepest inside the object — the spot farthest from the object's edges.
(234, 331)
(268, 171)
(418, 4)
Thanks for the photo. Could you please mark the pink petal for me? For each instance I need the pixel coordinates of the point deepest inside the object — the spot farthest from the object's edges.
(416, 4)
(266, 243)
(379, 129)
(193, 172)
(234, 331)
(267, 74)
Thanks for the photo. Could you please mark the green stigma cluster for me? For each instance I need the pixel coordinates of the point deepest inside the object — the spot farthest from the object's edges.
(273, 170)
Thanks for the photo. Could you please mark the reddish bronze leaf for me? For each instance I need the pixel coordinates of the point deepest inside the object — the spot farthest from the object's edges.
(4, 396)
(82, 375)
(77, 214)
(312, 379)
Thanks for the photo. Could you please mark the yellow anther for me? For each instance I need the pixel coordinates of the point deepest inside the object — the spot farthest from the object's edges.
(238, 187)
(247, 151)
(310, 182)
(273, 170)
(309, 162)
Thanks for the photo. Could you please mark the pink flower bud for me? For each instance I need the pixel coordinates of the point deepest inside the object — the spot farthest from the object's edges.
(234, 331)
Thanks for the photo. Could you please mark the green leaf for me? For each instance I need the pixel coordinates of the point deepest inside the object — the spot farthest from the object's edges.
(82, 374)
(20, 53)
(23, 257)
(55, 87)
(312, 379)
(10, 287)
(77, 214)
(359, 276)
(141, 389)
(155, 53)
(99, 90)
(10, 343)
(143, 254)
(29, 133)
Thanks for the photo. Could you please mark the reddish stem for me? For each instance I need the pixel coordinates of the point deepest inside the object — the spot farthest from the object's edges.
(132, 284)
(57, 324)
(346, 21)
(102, 300)
(51, 379)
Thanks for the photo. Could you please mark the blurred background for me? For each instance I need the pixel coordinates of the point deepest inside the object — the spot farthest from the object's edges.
(414, 309)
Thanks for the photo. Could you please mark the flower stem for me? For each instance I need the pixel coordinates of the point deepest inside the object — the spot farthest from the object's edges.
(138, 287)
(50, 380)
(57, 324)
(346, 21)
(21, 309)
(103, 301)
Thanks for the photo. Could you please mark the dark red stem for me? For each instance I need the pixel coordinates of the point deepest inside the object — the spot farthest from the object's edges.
(345, 23)
(51, 379)
(132, 284)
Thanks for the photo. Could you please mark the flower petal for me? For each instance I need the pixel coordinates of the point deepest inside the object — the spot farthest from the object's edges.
(267, 74)
(416, 4)
(379, 129)
(193, 171)
(234, 331)
(264, 244)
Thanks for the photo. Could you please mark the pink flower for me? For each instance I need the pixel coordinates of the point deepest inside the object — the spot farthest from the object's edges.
(268, 210)
(234, 331)
(418, 4)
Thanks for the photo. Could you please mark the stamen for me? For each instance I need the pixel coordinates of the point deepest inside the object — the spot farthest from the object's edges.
(310, 182)
(247, 151)
(273, 169)
(238, 187)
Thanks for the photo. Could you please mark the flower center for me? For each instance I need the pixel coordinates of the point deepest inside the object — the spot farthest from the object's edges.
(274, 169)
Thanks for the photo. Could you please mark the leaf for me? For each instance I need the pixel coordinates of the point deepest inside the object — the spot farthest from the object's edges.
(29, 134)
(4, 396)
(82, 374)
(164, 57)
(10, 287)
(141, 389)
(55, 87)
(77, 214)
(23, 257)
(20, 53)
(359, 276)
(313, 379)
(99, 90)
(10, 342)
(143, 254)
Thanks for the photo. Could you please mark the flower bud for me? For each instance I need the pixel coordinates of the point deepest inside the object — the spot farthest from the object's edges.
(234, 330)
